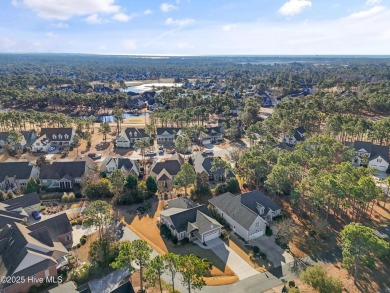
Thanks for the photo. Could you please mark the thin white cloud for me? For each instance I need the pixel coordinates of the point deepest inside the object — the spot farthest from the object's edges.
(148, 12)
(293, 7)
(166, 7)
(93, 19)
(179, 22)
(229, 27)
(373, 2)
(367, 13)
(121, 17)
(185, 45)
(65, 9)
(60, 25)
(129, 45)
(51, 35)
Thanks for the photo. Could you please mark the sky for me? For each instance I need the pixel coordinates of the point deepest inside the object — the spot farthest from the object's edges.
(196, 27)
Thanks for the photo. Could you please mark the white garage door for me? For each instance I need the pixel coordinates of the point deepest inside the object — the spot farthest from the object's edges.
(211, 236)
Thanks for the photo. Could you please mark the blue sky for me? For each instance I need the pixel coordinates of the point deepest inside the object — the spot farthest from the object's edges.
(196, 27)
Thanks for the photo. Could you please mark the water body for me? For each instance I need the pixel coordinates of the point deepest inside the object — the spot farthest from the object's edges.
(110, 118)
(132, 89)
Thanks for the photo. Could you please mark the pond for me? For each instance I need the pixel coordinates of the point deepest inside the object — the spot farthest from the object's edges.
(110, 118)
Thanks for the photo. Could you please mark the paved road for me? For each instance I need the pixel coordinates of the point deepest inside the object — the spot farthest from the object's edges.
(259, 282)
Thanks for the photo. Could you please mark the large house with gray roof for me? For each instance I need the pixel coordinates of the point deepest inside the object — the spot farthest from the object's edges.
(126, 165)
(15, 175)
(130, 135)
(164, 172)
(63, 175)
(53, 137)
(247, 214)
(184, 219)
(292, 139)
(203, 164)
(28, 137)
(371, 155)
(32, 252)
(167, 134)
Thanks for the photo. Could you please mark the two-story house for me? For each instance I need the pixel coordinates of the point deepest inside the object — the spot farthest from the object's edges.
(164, 172)
(247, 214)
(166, 134)
(14, 175)
(126, 165)
(371, 155)
(130, 135)
(53, 138)
(203, 164)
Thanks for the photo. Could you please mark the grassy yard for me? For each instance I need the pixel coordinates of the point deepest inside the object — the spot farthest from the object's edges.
(145, 226)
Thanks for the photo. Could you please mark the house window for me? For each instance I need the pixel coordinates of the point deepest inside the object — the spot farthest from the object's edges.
(60, 136)
(257, 224)
(66, 136)
(67, 238)
(379, 160)
(54, 136)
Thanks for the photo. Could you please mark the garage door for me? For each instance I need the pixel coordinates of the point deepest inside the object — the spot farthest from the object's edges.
(211, 236)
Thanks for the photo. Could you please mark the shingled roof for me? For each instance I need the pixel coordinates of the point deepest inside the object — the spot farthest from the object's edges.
(57, 134)
(19, 170)
(242, 208)
(172, 165)
(374, 149)
(58, 170)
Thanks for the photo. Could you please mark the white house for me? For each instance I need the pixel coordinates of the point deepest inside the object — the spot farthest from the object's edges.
(297, 136)
(167, 134)
(369, 154)
(130, 135)
(126, 165)
(247, 214)
(14, 175)
(28, 137)
(53, 137)
(184, 219)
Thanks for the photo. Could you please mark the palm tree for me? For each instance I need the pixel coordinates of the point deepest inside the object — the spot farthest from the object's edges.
(104, 128)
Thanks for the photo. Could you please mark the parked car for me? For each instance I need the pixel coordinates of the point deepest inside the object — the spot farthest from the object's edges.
(52, 148)
(172, 151)
(208, 151)
(150, 153)
(161, 152)
(160, 147)
(36, 215)
(94, 156)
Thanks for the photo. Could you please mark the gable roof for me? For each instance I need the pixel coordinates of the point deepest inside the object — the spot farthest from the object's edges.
(19, 170)
(182, 202)
(58, 170)
(23, 201)
(28, 136)
(172, 165)
(180, 218)
(57, 134)
(299, 134)
(374, 149)
(56, 226)
(242, 208)
(132, 132)
(203, 163)
(169, 130)
(203, 223)
(28, 252)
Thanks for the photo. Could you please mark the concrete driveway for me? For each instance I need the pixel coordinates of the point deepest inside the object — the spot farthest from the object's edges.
(274, 252)
(240, 267)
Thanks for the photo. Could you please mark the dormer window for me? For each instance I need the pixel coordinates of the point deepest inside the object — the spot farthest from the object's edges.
(260, 208)
(60, 136)
(379, 160)
(135, 133)
(54, 136)
(66, 136)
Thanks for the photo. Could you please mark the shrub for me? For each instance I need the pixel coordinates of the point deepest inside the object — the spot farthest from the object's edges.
(312, 233)
(220, 189)
(291, 284)
(268, 231)
(175, 240)
(262, 255)
(255, 249)
(78, 245)
(43, 208)
(233, 186)
(83, 240)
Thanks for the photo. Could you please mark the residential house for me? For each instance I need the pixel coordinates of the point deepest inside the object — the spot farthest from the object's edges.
(58, 227)
(115, 282)
(184, 219)
(164, 172)
(23, 205)
(28, 138)
(63, 175)
(297, 136)
(29, 254)
(126, 165)
(210, 135)
(369, 154)
(130, 135)
(247, 214)
(15, 175)
(166, 134)
(203, 164)
(53, 137)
